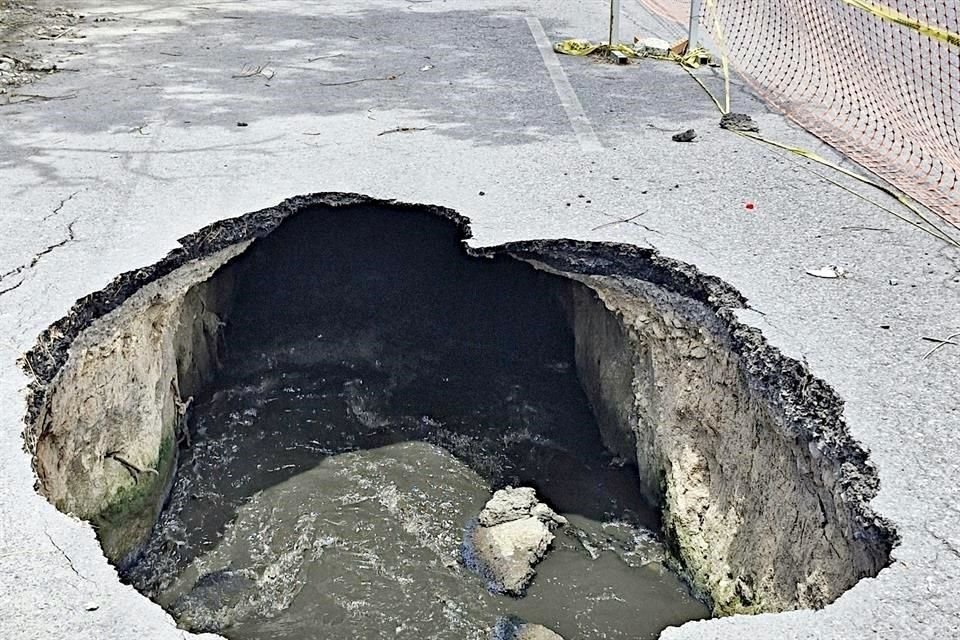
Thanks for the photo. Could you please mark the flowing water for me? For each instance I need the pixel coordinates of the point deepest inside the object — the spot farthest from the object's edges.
(358, 425)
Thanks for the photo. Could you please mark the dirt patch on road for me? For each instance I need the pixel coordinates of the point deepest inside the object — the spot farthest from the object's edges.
(27, 32)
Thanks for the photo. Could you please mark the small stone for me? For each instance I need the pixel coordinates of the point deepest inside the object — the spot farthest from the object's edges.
(512, 628)
(738, 122)
(699, 352)
(242, 124)
(685, 136)
(210, 605)
(547, 515)
(91, 606)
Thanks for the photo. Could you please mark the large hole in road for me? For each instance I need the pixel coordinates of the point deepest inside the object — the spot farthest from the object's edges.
(289, 428)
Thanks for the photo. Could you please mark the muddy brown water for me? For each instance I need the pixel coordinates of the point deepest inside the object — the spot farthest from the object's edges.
(374, 394)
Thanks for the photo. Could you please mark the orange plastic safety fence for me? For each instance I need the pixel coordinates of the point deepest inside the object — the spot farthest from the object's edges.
(877, 79)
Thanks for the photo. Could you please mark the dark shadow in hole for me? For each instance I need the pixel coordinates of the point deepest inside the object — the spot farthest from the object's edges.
(354, 329)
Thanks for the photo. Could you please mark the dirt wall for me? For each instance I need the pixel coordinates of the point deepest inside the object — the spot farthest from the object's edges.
(759, 515)
(106, 440)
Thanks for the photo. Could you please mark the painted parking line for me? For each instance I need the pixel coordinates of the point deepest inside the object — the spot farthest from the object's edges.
(568, 98)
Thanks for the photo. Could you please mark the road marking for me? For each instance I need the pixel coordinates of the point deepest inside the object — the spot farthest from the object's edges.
(568, 98)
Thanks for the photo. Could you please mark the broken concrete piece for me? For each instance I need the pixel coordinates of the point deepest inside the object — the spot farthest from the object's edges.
(514, 503)
(738, 122)
(508, 552)
(513, 534)
(508, 504)
(547, 515)
(651, 46)
(515, 629)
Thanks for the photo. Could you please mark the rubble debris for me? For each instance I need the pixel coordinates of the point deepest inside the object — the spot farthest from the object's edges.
(511, 535)
(513, 628)
(684, 136)
(654, 47)
(739, 122)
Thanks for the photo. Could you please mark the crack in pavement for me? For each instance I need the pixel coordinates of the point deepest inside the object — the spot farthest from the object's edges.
(71, 236)
(49, 249)
(950, 546)
(8, 289)
(57, 209)
(66, 557)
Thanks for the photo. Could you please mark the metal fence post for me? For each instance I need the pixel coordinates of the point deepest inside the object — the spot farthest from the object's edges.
(614, 37)
(693, 34)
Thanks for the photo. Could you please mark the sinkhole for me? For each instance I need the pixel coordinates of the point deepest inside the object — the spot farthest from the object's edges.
(289, 427)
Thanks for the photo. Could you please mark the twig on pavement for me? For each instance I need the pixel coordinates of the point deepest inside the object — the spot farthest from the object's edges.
(942, 343)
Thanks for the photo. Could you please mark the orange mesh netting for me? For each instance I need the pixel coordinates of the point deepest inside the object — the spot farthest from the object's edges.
(879, 82)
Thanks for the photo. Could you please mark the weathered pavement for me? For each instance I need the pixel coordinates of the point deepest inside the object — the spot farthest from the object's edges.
(144, 147)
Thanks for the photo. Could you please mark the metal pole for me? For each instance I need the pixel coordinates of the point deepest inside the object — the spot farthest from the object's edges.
(614, 37)
(693, 34)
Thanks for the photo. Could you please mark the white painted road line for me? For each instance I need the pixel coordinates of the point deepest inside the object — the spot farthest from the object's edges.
(568, 98)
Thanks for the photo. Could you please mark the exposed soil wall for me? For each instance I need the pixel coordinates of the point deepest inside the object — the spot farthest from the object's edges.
(754, 510)
(106, 441)
(765, 495)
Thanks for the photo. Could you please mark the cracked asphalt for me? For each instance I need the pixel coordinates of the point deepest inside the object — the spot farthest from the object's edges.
(137, 142)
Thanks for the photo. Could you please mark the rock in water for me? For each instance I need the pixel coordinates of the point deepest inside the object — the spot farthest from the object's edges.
(508, 504)
(209, 606)
(512, 535)
(509, 551)
(515, 629)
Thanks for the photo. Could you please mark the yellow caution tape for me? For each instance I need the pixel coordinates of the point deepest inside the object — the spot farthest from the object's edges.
(691, 60)
(579, 47)
(892, 15)
(890, 191)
